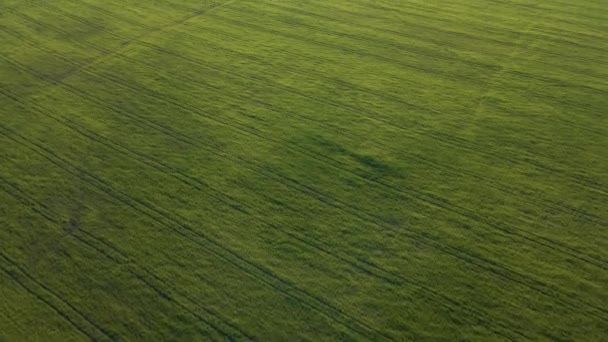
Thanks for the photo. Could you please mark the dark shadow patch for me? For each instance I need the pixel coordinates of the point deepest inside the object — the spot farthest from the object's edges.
(366, 165)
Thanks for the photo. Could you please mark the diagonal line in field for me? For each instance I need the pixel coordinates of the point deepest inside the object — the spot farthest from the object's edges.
(496, 76)
(125, 45)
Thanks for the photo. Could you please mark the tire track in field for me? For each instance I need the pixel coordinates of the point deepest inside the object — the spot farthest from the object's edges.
(445, 9)
(358, 264)
(344, 49)
(445, 139)
(502, 187)
(441, 21)
(124, 260)
(532, 283)
(550, 10)
(491, 85)
(303, 150)
(30, 202)
(112, 14)
(106, 52)
(525, 75)
(351, 172)
(427, 28)
(413, 50)
(426, 51)
(135, 205)
(125, 44)
(381, 42)
(390, 278)
(409, 49)
(379, 272)
(477, 25)
(521, 74)
(442, 138)
(158, 285)
(364, 266)
(328, 61)
(126, 19)
(558, 206)
(387, 59)
(308, 73)
(332, 80)
(178, 224)
(439, 137)
(13, 275)
(58, 304)
(479, 38)
(586, 5)
(471, 215)
(459, 11)
(374, 116)
(38, 208)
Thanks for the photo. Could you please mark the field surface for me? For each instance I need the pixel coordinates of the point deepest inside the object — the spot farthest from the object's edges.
(303, 170)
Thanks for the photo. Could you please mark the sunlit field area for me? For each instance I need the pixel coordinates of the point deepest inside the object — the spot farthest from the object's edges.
(303, 170)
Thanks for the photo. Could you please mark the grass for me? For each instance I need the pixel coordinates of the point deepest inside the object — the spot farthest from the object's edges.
(286, 170)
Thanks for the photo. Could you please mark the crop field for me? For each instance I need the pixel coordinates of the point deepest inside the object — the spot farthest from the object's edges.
(303, 170)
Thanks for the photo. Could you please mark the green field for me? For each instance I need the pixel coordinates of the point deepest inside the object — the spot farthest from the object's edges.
(303, 170)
